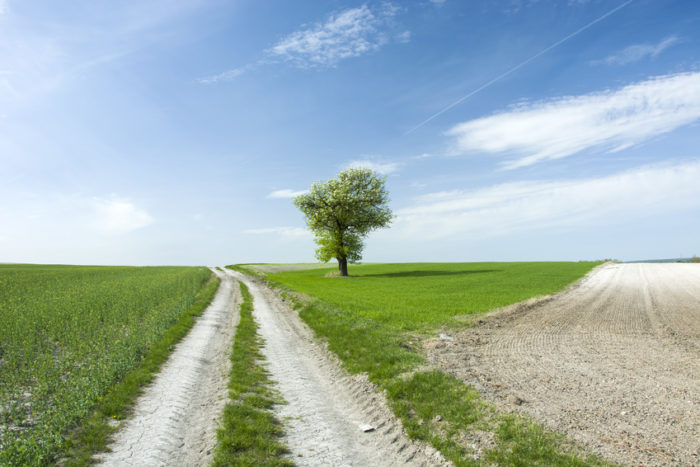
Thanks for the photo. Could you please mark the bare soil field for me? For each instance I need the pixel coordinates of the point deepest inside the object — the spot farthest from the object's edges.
(333, 418)
(613, 362)
(175, 419)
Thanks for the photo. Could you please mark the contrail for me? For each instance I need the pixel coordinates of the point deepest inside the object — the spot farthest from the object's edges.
(518, 66)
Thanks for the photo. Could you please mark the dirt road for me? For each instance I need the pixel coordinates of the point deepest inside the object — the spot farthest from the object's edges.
(175, 420)
(613, 362)
(327, 408)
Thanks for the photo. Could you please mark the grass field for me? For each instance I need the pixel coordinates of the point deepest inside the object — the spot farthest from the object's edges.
(373, 321)
(413, 296)
(67, 334)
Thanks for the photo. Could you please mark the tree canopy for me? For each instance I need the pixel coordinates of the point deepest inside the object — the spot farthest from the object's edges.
(342, 211)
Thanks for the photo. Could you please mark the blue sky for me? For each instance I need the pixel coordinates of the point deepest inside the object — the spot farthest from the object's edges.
(175, 132)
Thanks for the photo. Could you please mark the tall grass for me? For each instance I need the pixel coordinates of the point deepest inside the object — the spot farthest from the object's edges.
(67, 334)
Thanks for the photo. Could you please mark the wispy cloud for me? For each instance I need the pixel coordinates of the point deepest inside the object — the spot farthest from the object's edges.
(347, 34)
(117, 216)
(228, 75)
(286, 193)
(515, 68)
(350, 33)
(76, 216)
(42, 60)
(381, 167)
(610, 121)
(281, 231)
(638, 52)
(527, 206)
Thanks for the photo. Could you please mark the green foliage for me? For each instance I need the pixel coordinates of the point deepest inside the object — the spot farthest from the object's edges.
(695, 259)
(67, 334)
(250, 433)
(342, 211)
(371, 320)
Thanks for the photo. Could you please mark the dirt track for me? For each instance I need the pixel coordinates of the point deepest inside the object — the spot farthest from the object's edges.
(175, 419)
(325, 406)
(613, 362)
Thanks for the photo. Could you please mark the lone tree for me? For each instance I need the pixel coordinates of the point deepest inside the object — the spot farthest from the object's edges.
(341, 212)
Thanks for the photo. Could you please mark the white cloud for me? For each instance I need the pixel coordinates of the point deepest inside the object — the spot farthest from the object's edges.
(381, 167)
(425, 155)
(350, 33)
(403, 37)
(282, 231)
(228, 75)
(116, 216)
(609, 121)
(286, 193)
(536, 205)
(3, 6)
(637, 52)
(73, 217)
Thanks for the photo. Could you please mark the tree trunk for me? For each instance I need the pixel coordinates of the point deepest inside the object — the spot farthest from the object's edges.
(343, 266)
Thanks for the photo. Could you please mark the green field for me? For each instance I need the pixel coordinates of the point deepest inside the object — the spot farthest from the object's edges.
(415, 296)
(67, 333)
(374, 321)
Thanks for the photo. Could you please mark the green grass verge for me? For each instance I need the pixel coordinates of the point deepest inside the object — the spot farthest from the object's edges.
(371, 322)
(93, 435)
(250, 434)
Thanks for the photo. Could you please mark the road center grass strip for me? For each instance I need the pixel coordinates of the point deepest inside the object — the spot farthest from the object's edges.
(371, 320)
(250, 433)
(68, 334)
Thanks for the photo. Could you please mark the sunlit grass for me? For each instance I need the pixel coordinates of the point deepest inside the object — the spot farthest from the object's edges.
(373, 319)
(413, 296)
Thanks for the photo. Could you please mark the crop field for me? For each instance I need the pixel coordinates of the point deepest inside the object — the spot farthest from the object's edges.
(376, 321)
(413, 296)
(66, 334)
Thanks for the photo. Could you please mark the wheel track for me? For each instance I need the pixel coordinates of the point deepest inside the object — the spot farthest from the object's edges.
(174, 421)
(325, 406)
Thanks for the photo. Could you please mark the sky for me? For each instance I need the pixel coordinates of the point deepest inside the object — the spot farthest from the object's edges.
(177, 131)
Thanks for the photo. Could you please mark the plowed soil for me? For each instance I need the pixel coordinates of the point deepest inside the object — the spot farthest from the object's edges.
(613, 362)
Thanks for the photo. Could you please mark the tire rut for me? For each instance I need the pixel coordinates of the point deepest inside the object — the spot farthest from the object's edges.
(174, 421)
(325, 406)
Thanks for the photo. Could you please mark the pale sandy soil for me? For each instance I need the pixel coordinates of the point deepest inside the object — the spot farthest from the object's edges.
(612, 362)
(175, 419)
